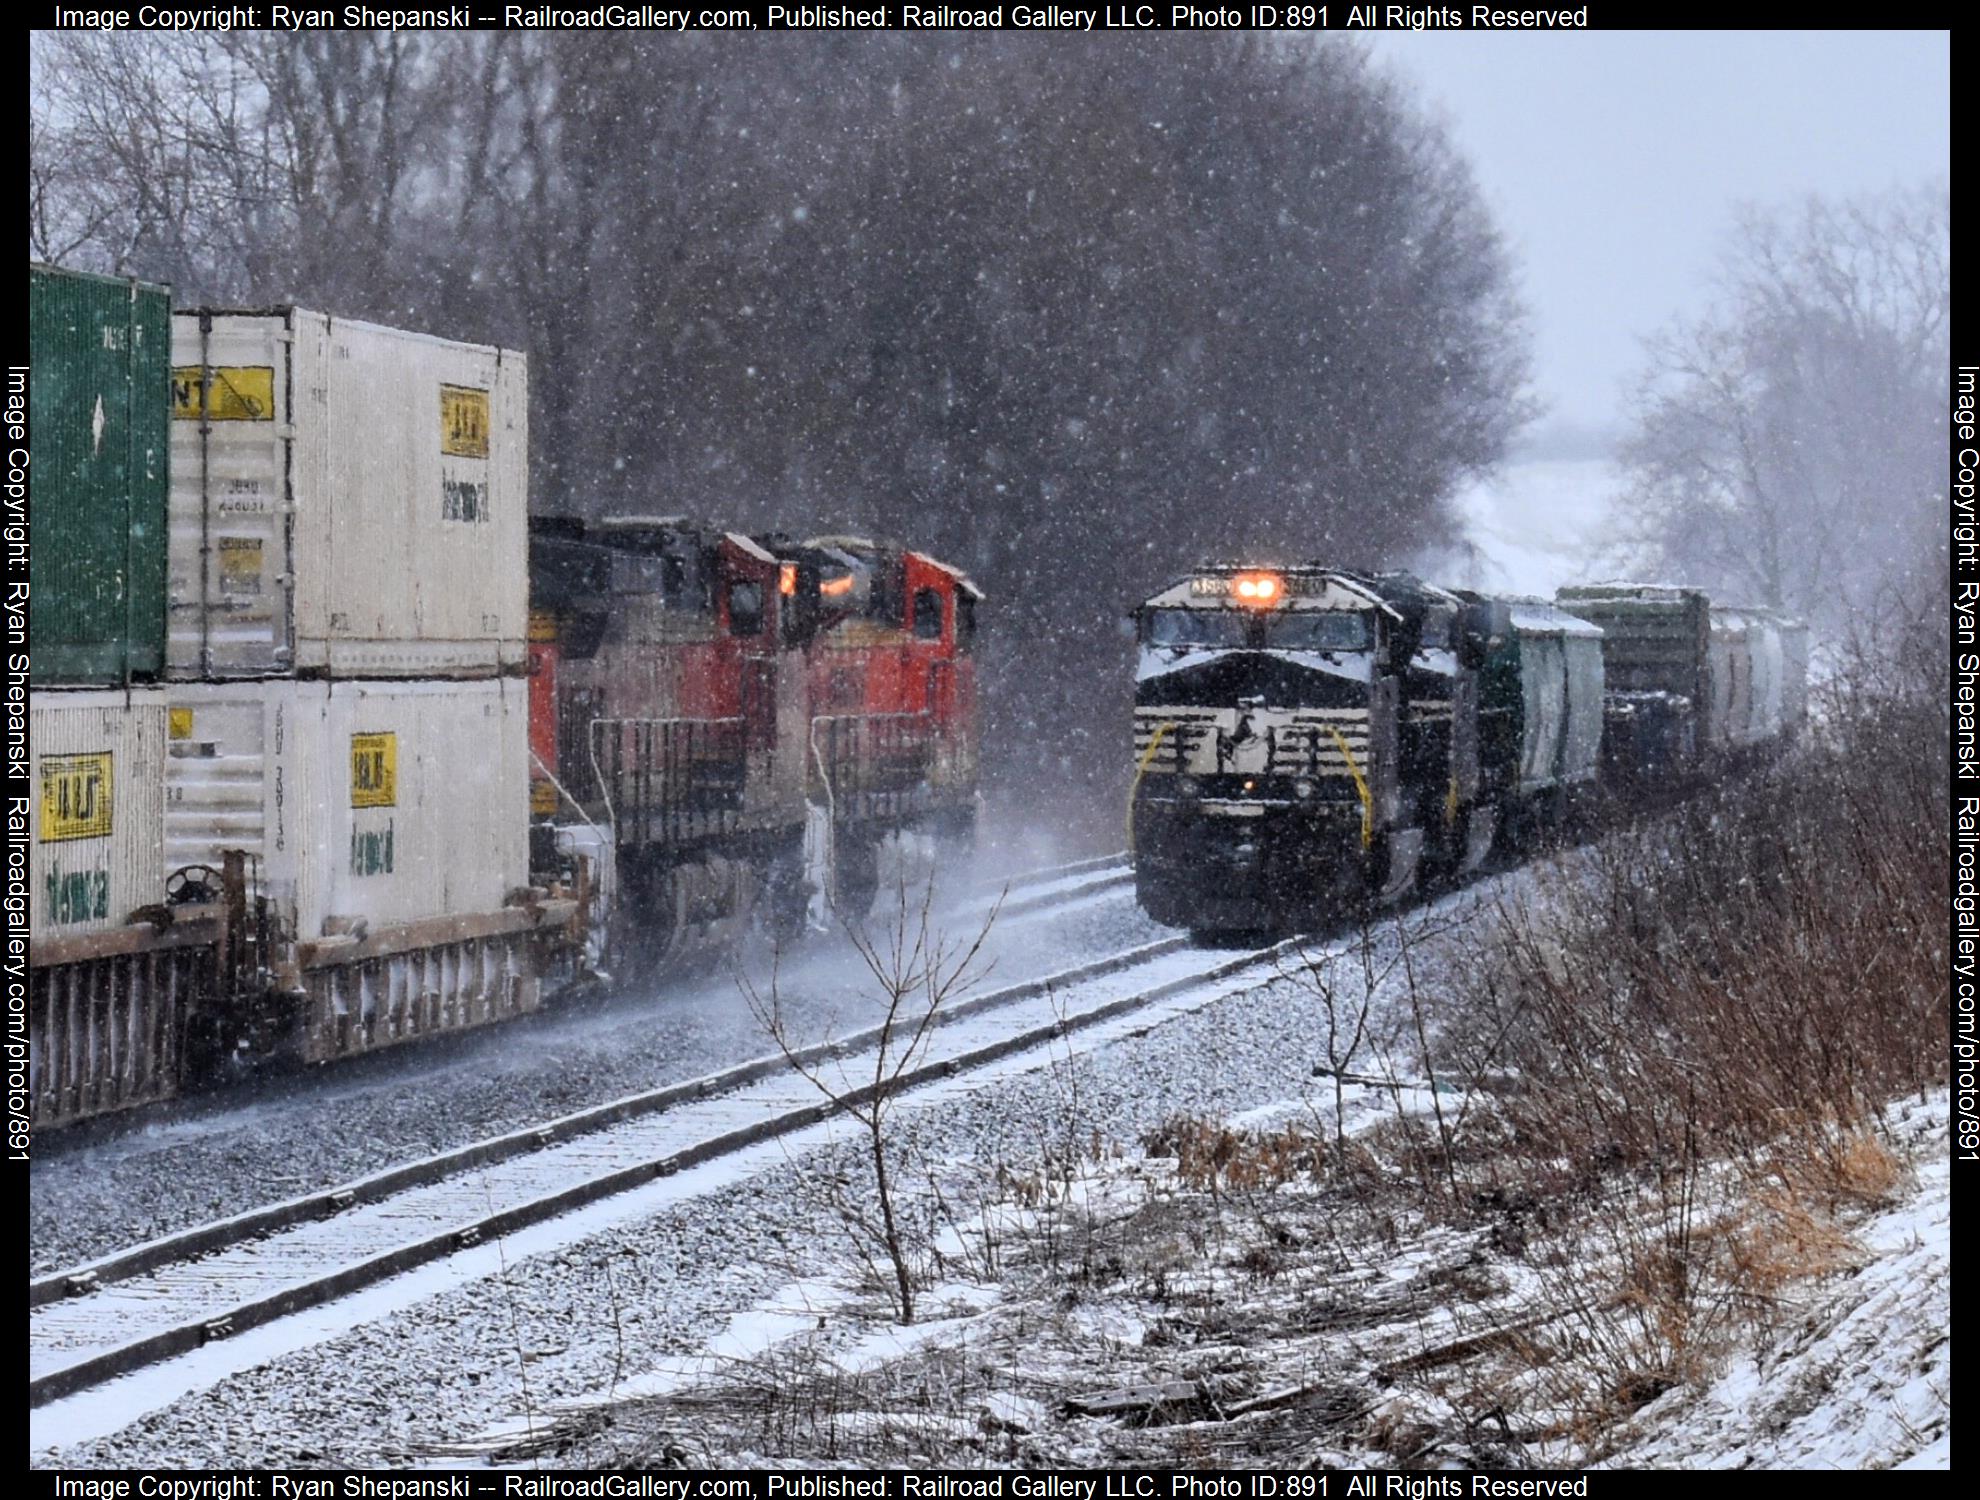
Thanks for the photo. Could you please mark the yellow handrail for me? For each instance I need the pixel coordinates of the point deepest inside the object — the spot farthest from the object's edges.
(1139, 772)
(1367, 800)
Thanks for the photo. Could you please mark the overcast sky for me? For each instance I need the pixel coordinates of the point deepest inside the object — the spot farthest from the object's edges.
(1614, 160)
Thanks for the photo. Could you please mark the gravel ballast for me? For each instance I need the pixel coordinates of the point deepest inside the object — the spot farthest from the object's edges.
(447, 1368)
(221, 1154)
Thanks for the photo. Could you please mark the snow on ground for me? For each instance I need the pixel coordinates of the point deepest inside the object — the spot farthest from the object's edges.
(1140, 1248)
(1221, 1305)
(107, 1189)
(1864, 1381)
(562, 1321)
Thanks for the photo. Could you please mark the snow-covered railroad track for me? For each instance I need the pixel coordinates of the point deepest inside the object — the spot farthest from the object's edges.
(91, 1323)
(1039, 890)
(1033, 895)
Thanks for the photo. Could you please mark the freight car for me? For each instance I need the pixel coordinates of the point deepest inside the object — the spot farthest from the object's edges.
(1307, 738)
(1540, 713)
(295, 829)
(1693, 689)
(312, 778)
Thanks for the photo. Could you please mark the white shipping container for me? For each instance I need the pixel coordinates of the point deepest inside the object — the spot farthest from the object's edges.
(96, 827)
(362, 805)
(345, 499)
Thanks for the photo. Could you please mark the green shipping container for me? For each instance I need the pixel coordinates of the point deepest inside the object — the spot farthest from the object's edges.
(99, 408)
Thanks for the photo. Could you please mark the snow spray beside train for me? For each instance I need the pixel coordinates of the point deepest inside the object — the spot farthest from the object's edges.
(1308, 739)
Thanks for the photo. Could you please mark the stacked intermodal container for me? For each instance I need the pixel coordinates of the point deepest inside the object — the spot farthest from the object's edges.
(98, 348)
(346, 500)
(108, 974)
(279, 714)
(346, 655)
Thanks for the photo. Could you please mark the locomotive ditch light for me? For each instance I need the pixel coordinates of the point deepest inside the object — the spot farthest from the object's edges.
(1261, 590)
(832, 587)
(787, 579)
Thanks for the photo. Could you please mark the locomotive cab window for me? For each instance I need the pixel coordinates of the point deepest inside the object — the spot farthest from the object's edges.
(927, 615)
(745, 608)
(673, 579)
(1318, 630)
(965, 620)
(1193, 627)
(884, 601)
(667, 577)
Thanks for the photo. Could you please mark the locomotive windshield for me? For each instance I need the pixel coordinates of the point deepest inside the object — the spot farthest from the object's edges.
(1194, 627)
(1317, 630)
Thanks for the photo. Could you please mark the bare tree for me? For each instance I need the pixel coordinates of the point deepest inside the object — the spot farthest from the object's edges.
(1788, 447)
(916, 971)
(1344, 984)
(1253, 303)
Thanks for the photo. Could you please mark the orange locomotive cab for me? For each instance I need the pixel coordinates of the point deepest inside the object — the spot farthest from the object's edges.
(892, 703)
(673, 709)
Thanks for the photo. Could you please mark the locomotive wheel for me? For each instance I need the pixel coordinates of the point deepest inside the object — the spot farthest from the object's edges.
(785, 913)
(657, 930)
(857, 877)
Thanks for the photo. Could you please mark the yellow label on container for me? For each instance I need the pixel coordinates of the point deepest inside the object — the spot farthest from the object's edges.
(463, 421)
(542, 798)
(240, 393)
(374, 770)
(75, 797)
(178, 723)
(542, 626)
(240, 565)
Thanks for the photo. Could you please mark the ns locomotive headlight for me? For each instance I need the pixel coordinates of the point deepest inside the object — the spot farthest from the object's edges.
(1186, 786)
(1303, 788)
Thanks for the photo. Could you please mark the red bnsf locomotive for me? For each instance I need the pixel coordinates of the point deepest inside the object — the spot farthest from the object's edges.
(294, 799)
(729, 728)
(891, 699)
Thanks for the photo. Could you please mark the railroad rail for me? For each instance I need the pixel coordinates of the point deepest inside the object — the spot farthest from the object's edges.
(1025, 894)
(91, 1323)
(1037, 890)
